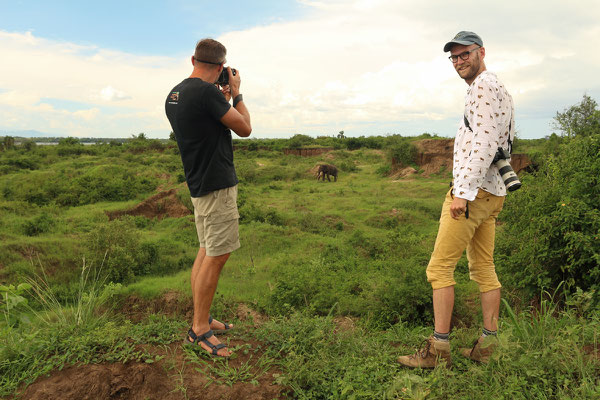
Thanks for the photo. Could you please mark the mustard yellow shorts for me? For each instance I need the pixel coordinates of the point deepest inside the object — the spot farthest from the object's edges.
(476, 234)
(216, 215)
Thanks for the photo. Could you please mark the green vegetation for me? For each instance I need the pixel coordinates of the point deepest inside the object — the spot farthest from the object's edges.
(552, 231)
(329, 281)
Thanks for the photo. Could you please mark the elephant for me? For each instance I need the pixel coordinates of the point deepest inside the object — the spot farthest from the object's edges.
(327, 170)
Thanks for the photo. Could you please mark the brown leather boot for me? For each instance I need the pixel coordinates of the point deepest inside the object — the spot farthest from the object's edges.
(482, 349)
(431, 354)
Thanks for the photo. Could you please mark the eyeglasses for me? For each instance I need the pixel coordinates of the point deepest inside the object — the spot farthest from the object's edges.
(210, 62)
(463, 56)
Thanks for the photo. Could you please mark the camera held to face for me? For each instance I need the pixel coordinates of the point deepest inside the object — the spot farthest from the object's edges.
(506, 172)
(224, 77)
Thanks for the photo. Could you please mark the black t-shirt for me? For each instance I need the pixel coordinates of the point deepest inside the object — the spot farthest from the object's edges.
(195, 109)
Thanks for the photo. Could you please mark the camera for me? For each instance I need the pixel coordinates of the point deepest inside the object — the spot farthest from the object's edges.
(506, 172)
(224, 77)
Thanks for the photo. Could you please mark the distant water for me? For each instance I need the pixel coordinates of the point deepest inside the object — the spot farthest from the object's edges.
(55, 143)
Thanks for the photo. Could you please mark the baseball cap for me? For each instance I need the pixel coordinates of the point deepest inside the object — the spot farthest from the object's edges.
(465, 38)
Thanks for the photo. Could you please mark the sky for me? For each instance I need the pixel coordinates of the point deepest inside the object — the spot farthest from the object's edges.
(104, 69)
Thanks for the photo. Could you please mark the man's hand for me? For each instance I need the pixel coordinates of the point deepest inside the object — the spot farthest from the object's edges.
(458, 207)
(234, 82)
(226, 90)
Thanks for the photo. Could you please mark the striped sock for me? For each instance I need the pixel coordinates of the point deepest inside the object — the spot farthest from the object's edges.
(444, 337)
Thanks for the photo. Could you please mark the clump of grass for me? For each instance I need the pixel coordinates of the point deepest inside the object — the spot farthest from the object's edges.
(91, 294)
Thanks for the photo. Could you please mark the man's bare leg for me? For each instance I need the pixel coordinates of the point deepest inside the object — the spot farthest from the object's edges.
(443, 304)
(205, 277)
(490, 308)
(215, 324)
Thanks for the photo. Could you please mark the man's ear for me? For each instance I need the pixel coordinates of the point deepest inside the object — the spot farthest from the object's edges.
(192, 60)
(482, 52)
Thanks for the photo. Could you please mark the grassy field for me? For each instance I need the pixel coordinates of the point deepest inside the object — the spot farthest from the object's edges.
(326, 291)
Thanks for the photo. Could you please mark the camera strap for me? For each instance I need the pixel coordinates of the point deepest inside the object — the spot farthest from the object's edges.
(509, 131)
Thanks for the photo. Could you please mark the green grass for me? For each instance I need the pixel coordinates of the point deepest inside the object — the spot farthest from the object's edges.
(313, 254)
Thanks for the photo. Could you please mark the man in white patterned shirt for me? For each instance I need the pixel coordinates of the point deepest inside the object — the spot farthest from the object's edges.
(468, 219)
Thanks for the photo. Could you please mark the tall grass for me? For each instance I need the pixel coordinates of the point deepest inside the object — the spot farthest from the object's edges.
(91, 294)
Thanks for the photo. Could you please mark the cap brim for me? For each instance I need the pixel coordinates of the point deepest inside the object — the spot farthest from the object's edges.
(449, 45)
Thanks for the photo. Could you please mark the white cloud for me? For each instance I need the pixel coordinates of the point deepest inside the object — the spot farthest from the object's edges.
(365, 67)
(109, 93)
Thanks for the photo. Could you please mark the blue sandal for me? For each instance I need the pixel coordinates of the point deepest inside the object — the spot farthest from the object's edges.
(196, 339)
(228, 327)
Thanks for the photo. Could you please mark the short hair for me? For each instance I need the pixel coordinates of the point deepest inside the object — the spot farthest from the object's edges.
(210, 51)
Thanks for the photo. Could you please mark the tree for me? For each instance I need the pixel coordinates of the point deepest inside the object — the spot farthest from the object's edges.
(8, 142)
(298, 140)
(68, 141)
(341, 135)
(580, 119)
(172, 136)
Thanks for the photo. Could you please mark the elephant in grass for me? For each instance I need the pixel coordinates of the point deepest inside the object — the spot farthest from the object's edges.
(327, 170)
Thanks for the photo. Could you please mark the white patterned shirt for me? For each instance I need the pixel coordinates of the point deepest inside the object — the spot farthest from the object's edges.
(490, 112)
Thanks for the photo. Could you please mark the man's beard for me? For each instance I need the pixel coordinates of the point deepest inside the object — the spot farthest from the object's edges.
(471, 71)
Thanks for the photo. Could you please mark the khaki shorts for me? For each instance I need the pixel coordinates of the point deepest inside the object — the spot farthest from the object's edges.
(216, 217)
(476, 234)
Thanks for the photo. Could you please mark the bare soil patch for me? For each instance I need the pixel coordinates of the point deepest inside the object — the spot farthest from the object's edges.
(402, 173)
(345, 323)
(433, 154)
(592, 351)
(162, 205)
(179, 375)
(436, 155)
(177, 304)
(170, 303)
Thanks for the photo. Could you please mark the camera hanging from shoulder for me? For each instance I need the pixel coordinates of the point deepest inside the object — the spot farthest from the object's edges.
(510, 178)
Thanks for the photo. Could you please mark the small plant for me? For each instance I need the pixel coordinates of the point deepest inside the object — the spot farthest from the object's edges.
(13, 303)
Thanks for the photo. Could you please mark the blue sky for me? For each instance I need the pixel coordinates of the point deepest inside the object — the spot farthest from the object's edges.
(368, 67)
(142, 27)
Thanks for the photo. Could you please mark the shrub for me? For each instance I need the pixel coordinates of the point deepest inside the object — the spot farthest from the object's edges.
(403, 153)
(551, 231)
(348, 166)
(297, 141)
(353, 143)
(41, 224)
(116, 246)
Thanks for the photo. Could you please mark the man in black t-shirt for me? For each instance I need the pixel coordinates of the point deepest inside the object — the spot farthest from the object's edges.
(201, 118)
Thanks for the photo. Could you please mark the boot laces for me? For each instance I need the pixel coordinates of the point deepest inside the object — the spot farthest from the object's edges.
(423, 349)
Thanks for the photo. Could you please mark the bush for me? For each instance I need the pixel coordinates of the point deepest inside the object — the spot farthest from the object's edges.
(403, 153)
(552, 224)
(41, 224)
(348, 166)
(297, 141)
(116, 246)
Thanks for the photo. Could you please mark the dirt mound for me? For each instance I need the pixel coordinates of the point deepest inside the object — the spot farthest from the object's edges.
(307, 152)
(104, 381)
(178, 375)
(176, 304)
(404, 172)
(434, 154)
(161, 205)
(170, 303)
(521, 162)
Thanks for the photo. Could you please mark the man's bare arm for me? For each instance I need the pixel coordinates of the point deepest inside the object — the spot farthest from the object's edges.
(237, 118)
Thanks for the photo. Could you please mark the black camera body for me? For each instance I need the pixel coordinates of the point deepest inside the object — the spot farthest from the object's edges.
(224, 77)
(511, 181)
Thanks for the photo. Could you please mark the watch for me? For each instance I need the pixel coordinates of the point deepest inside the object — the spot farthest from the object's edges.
(237, 99)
